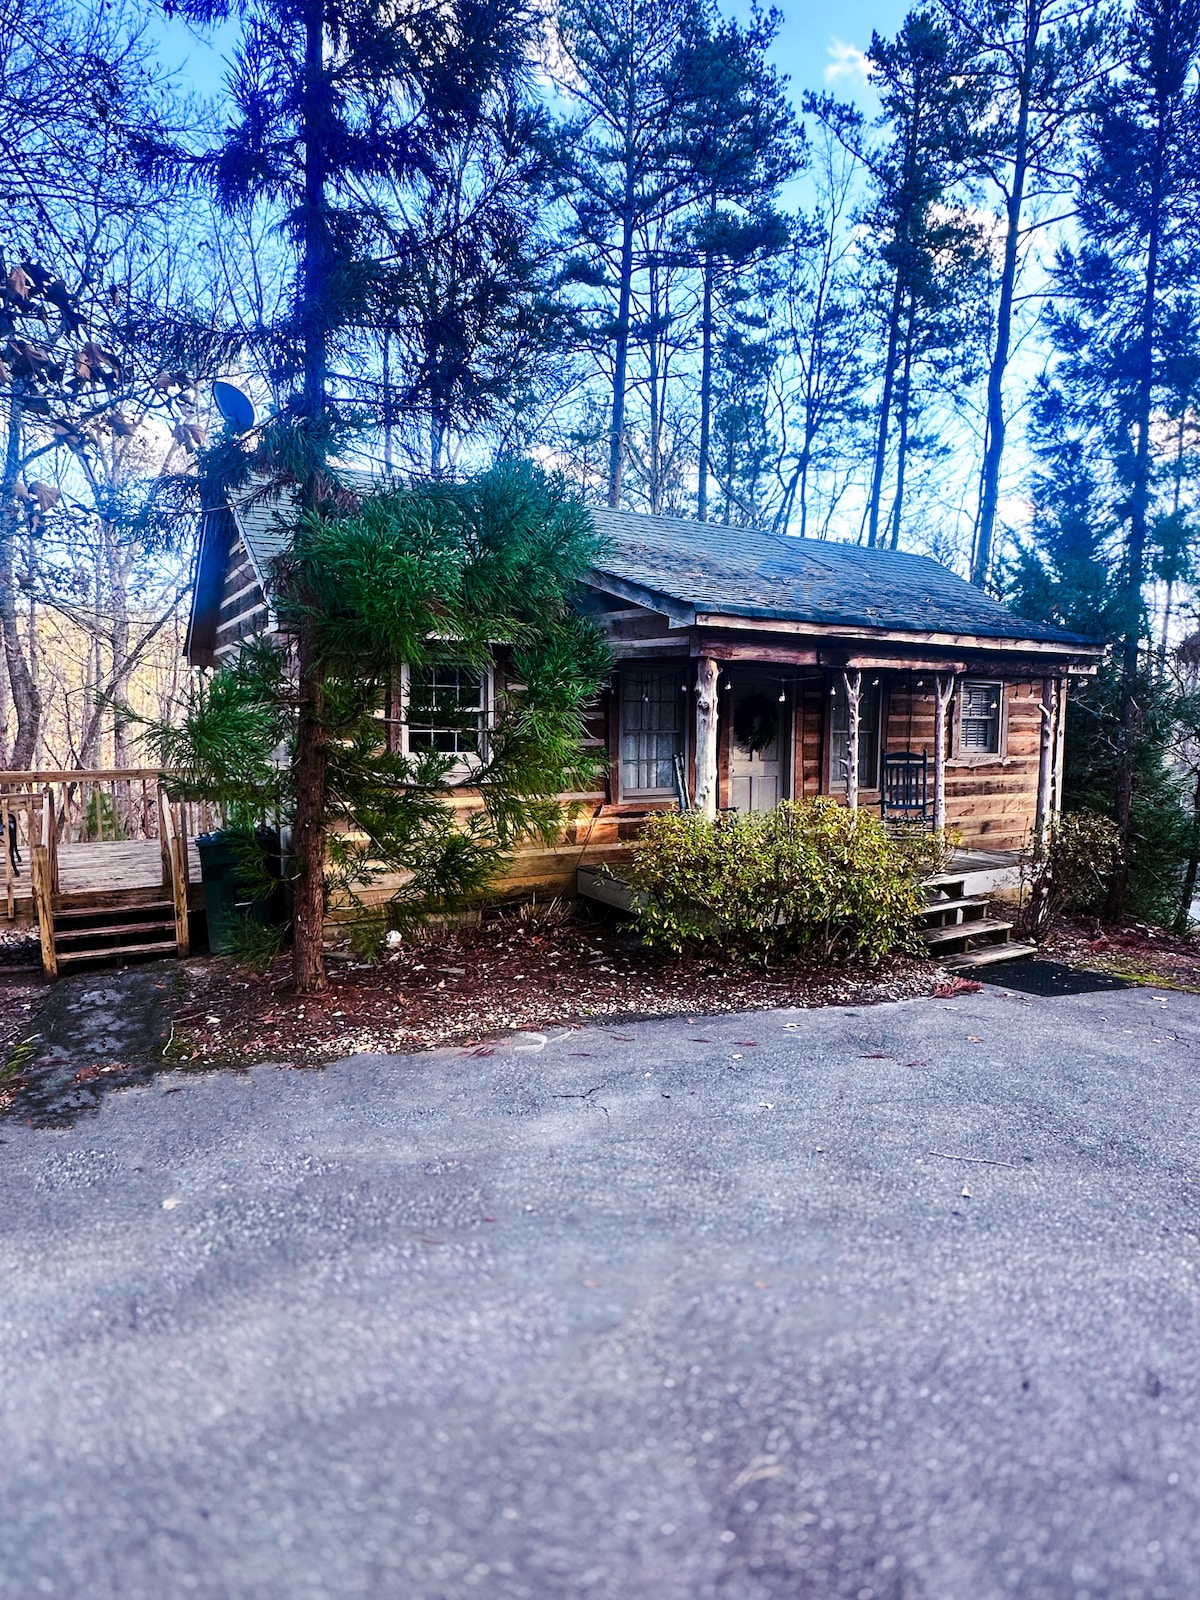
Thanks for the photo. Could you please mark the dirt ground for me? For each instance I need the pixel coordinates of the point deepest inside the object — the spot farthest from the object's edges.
(22, 991)
(512, 972)
(1137, 951)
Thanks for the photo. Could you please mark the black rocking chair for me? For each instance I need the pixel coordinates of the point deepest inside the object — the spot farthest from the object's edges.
(904, 792)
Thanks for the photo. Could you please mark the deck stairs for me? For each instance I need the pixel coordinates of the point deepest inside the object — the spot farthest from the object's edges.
(959, 929)
(138, 925)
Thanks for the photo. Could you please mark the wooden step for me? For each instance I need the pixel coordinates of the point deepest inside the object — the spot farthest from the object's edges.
(140, 908)
(118, 930)
(988, 956)
(964, 930)
(166, 947)
(954, 905)
(947, 882)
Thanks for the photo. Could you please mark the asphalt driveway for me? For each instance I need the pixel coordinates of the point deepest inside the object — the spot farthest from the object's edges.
(891, 1303)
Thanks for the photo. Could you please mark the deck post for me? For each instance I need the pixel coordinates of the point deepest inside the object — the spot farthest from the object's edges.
(43, 900)
(50, 835)
(943, 692)
(853, 685)
(707, 676)
(164, 836)
(178, 854)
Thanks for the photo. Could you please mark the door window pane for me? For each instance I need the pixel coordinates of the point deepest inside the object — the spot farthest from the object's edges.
(651, 731)
(980, 724)
(870, 700)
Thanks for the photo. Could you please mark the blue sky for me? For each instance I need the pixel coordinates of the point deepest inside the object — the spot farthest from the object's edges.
(819, 47)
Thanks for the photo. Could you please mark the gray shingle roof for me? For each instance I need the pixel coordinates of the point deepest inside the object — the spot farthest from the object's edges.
(746, 572)
(743, 572)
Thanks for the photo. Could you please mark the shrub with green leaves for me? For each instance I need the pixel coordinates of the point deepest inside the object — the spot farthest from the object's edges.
(808, 878)
(1070, 867)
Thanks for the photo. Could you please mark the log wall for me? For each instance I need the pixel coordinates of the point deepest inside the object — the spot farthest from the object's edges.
(992, 800)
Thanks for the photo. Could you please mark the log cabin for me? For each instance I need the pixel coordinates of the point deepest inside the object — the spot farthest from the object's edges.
(748, 668)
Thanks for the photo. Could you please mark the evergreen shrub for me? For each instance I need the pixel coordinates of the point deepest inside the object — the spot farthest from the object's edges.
(808, 878)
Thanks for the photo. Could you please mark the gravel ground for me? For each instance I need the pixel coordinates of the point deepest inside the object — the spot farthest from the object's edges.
(898, 1303)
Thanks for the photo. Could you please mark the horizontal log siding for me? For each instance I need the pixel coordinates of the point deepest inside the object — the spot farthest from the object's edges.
(811, 694)
(243, 612)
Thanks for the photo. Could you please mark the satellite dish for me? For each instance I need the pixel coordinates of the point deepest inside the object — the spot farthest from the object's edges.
(234, 406)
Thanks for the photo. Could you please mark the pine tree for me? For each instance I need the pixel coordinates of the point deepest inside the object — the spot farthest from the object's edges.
(413, 581)
(1139, 193)
(619, 64)
(926, 246)
(740, 142)
(340, 107)
(1039, 59)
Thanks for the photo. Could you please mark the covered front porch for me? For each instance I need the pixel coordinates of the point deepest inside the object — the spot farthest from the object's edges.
(969, 746)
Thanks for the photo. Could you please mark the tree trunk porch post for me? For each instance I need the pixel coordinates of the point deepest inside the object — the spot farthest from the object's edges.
(1048, 709)
(943, 690)
(708, 674)
(852, 682)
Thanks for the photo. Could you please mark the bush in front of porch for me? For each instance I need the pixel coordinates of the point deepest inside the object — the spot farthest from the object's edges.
(807, 878)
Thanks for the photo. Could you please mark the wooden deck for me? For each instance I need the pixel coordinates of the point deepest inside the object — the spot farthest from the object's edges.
(104, 870)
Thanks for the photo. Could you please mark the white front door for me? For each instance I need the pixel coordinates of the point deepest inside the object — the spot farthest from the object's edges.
(757, 744)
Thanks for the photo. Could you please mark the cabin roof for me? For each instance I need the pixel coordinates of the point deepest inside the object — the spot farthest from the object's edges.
(748, 572)
(696, 571)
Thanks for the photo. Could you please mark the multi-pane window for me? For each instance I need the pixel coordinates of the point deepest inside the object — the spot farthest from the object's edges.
(870, 702)
(979, 720)
(447, 709)
(651, 731)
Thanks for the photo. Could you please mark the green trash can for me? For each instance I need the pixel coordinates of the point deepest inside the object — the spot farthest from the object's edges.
(228, 899)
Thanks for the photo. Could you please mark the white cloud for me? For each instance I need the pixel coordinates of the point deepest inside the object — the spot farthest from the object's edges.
(847, 63)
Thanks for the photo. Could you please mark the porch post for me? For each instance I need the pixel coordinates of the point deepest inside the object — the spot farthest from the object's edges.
(1060, 751)
(708, 674)
(943, 692)
(1045, 791)
(853, 683)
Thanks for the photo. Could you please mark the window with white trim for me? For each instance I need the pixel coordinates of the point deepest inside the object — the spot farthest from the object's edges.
(979, 719)
(446, 710)
(651, 732)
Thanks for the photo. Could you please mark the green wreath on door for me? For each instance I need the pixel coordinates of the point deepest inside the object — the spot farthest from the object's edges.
(756, 722)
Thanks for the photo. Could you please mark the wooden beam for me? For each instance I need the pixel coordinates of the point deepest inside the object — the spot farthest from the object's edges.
(707, 676)
(767, 652)
(902, 636)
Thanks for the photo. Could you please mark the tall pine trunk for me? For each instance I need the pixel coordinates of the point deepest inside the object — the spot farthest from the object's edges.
(616, 435)
(706, 344)
(311, 753)
(1139, 506)
(902, 441)
(996, 425)
(885, 410)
